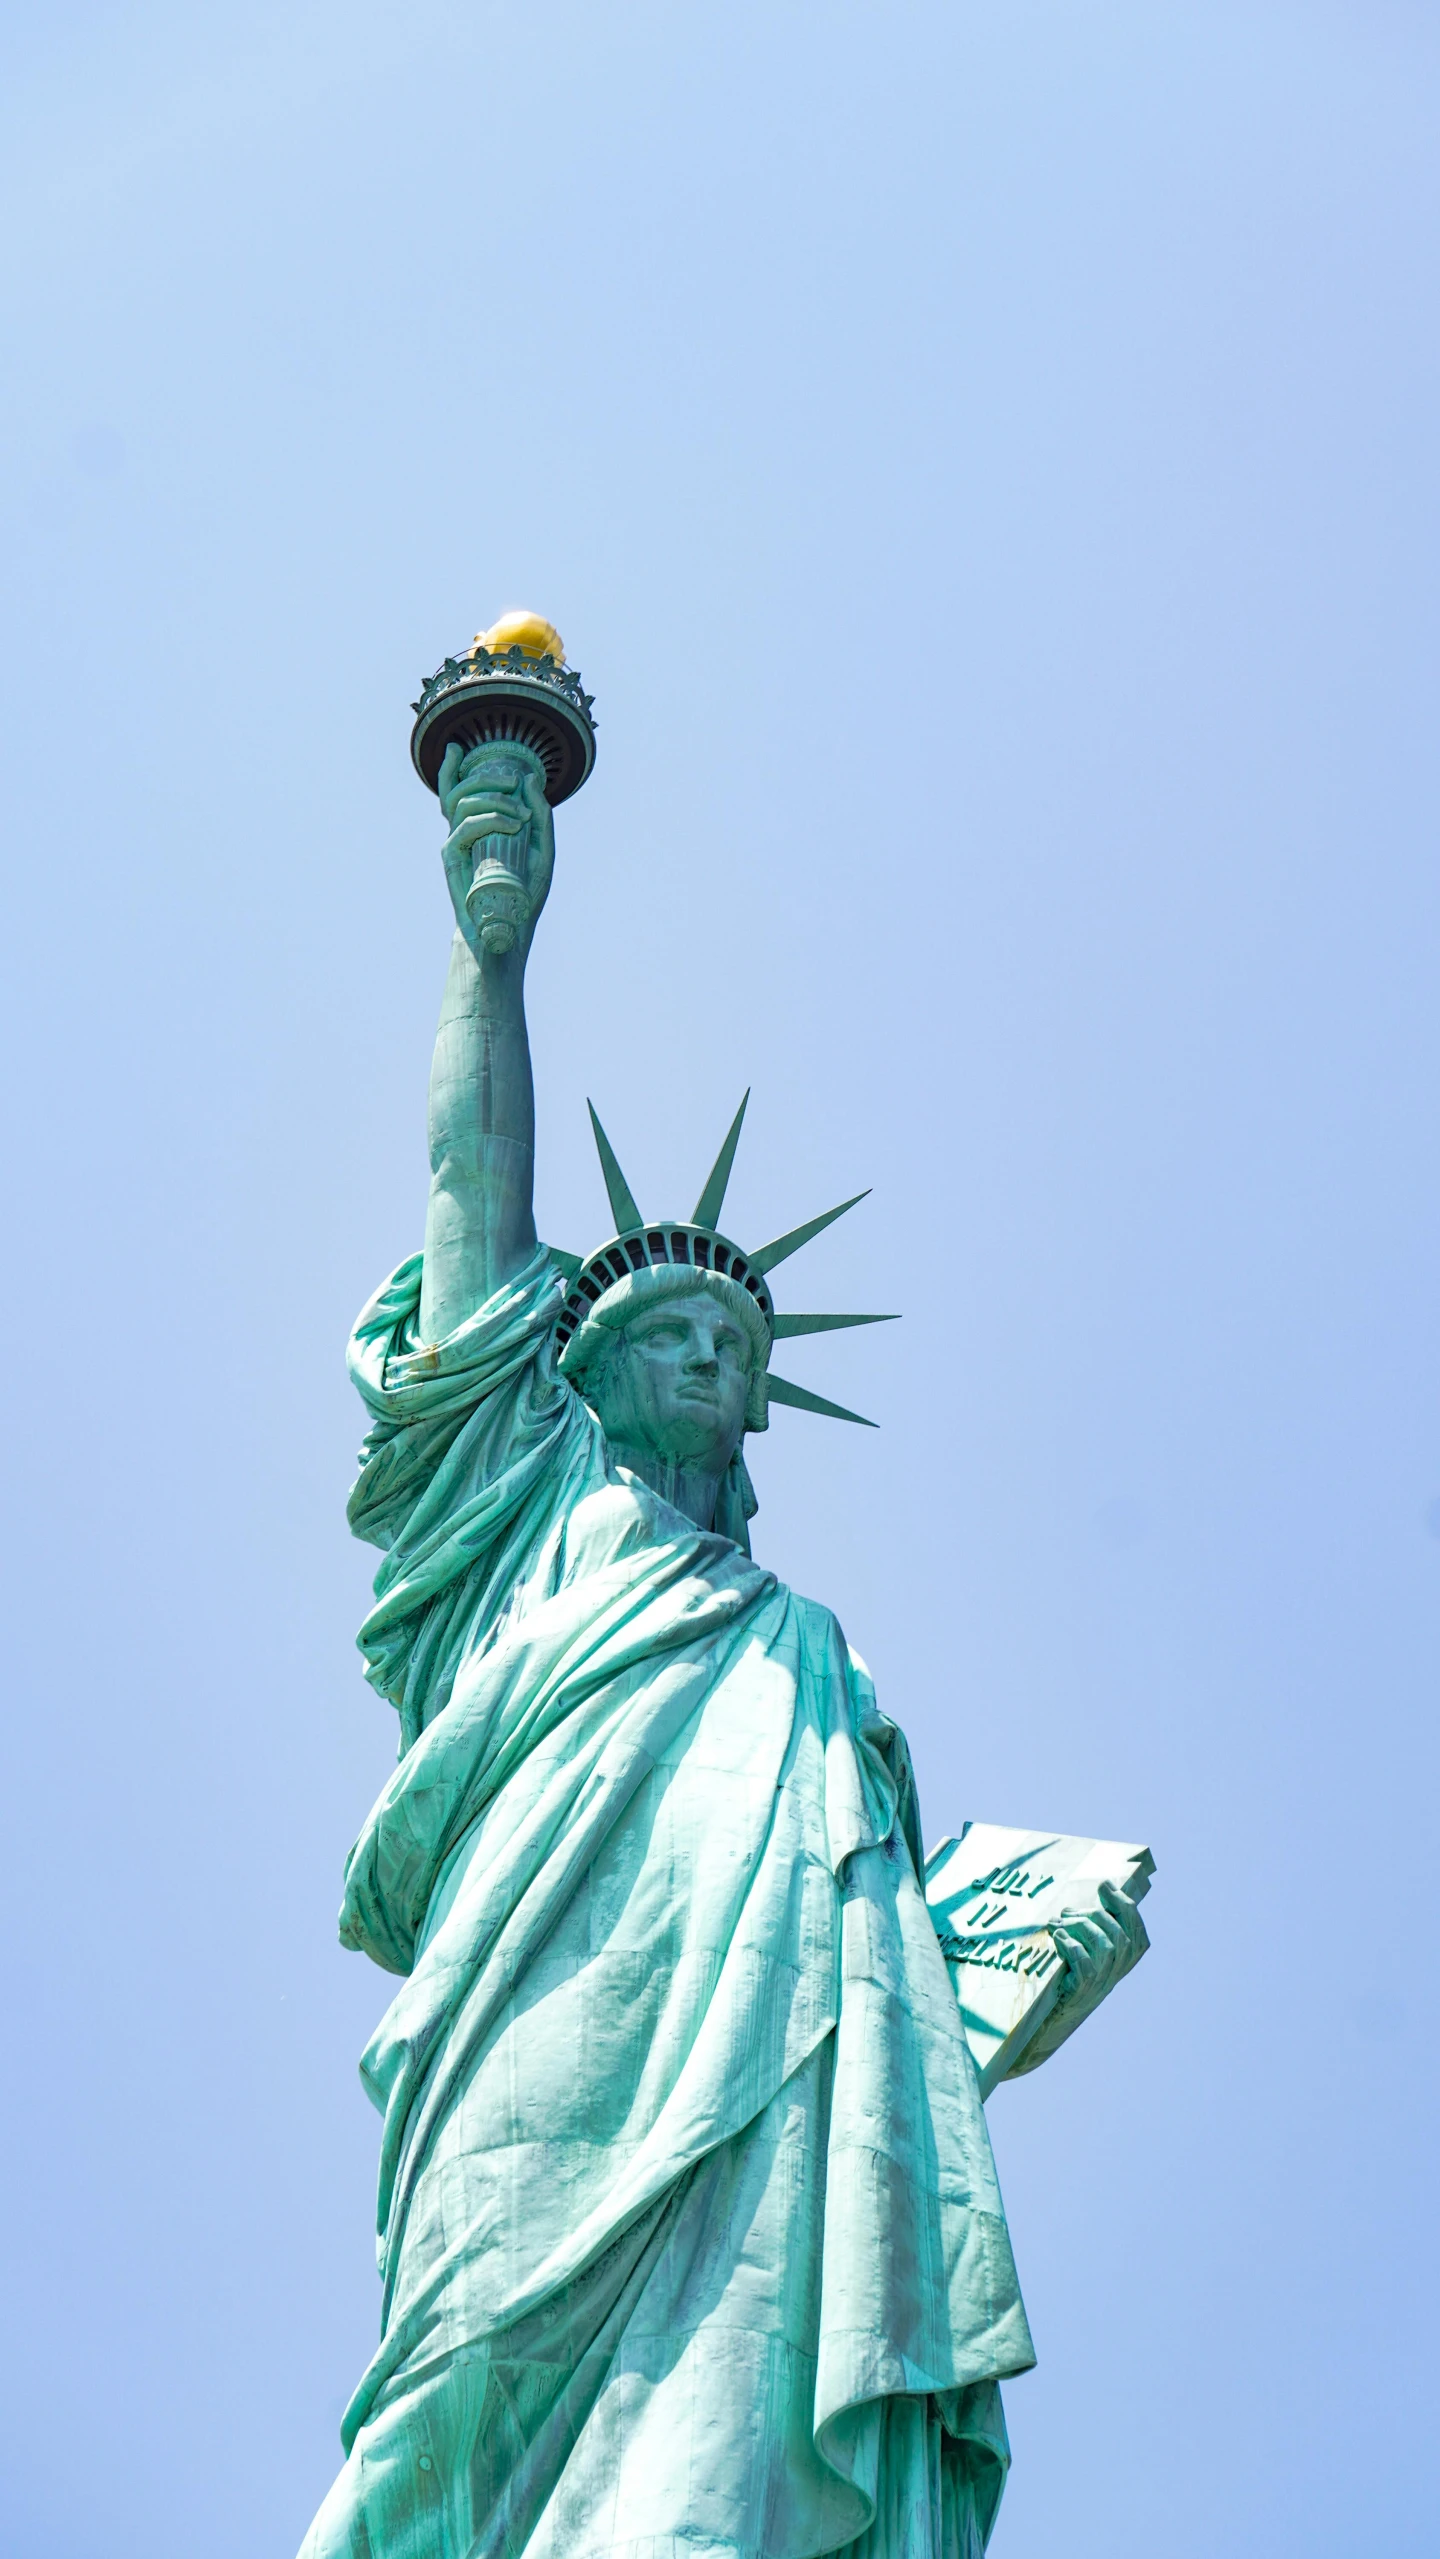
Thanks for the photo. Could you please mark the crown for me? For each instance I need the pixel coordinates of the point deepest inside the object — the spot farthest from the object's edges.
(511, 686)
(696, 1246)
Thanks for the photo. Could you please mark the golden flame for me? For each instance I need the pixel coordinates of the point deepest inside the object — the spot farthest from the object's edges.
(537, 637)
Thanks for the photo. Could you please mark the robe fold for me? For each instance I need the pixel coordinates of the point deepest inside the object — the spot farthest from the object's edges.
(689, 2233)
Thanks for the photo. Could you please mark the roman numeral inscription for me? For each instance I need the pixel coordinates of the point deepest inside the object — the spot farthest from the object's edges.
(1033, 1956)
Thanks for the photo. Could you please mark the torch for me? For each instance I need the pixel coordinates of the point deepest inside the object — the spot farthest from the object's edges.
(511, 690)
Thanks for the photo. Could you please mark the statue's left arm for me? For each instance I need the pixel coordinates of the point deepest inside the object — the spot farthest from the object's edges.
(1099, 1948)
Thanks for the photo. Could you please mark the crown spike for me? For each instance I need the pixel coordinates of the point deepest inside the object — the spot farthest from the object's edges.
(706, 1211)
(785, 1245)
(622, 1198)
(780, 1391)
(787, 1326)
(569, 1265)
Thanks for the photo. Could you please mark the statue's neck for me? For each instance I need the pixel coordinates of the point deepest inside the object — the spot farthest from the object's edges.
(689, 1489)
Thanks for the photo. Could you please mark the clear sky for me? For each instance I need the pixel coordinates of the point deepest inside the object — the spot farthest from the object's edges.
(984, 461)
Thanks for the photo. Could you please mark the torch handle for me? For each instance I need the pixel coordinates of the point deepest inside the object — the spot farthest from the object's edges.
(498, 898)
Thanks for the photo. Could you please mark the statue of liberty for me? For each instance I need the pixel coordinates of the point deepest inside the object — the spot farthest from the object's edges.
(689, 2232)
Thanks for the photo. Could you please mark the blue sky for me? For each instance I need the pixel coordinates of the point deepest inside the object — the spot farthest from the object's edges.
(984, 463)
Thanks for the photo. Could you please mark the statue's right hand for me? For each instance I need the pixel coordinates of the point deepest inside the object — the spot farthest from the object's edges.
(490, 792)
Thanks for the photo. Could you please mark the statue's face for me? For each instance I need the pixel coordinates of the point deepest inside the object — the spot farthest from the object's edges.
(675, 1384)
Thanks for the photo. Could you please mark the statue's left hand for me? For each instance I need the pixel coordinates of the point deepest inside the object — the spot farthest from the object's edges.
(1099, 1948)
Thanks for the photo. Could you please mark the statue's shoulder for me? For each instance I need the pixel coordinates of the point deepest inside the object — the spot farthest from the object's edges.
(817, 1633)
(617, 1519)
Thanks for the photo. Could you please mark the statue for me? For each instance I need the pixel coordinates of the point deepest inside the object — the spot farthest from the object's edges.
(689, 2230)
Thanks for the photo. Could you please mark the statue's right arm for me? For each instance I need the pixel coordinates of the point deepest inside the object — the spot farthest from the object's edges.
(480, 1226)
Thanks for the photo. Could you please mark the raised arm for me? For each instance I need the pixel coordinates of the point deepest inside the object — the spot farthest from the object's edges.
(480, 1228)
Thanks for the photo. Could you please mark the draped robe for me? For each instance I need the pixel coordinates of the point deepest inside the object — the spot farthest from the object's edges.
(689, 2233)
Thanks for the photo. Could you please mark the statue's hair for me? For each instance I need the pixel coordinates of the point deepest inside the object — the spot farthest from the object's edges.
(585, 1354)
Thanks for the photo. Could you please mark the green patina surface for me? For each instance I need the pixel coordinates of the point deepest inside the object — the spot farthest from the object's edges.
(689, 2231)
